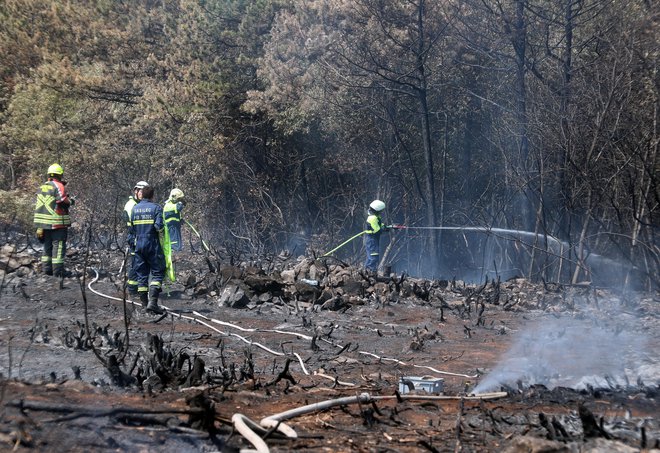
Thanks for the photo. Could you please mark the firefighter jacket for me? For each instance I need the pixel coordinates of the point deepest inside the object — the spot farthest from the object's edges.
(52, 209)
(146, 225)
(372, 233)
(128, 207)
(172, 216)
(126, 216)
(374, 226)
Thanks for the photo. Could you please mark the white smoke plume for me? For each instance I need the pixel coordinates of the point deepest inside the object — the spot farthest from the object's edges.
(576, 353)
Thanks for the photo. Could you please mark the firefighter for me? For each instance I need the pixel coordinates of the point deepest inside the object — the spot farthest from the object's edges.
(52, 220)
(149, 261)
(136, 195)
(372, 235)
(172, 214)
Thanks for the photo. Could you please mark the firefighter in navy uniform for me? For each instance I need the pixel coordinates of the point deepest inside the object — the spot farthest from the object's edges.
(52, 220)
(172, 214)
(373, 230)
(131, 282)
(149, 261)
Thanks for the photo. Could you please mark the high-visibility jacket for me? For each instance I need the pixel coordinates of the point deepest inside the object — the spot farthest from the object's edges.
(372, 234)
(126, 215)
(374, 225)
(172, 216)
(52, 209)
(128, 207)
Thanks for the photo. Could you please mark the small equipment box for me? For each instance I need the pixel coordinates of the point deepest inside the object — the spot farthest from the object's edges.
(428, 384)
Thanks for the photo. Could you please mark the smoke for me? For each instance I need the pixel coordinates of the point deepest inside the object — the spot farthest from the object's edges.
(575, 353)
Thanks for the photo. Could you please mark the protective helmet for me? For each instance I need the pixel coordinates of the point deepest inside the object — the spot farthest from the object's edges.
(377, 205)
(176, 195)
(140, 185)
(55, 169)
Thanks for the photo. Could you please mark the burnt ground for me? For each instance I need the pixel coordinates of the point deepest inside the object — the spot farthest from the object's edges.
(259, 343)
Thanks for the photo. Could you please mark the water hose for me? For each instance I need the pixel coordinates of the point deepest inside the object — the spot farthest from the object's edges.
(206, 247)
(250, 430)
(344, 243)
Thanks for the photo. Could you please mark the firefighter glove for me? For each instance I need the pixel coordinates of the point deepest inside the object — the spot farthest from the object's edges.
(40, 234)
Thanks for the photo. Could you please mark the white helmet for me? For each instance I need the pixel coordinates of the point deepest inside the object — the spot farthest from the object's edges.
(176, 195)
(140, 185)
(377, 205)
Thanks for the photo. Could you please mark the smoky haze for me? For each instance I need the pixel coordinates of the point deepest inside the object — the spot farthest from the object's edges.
(576, 353)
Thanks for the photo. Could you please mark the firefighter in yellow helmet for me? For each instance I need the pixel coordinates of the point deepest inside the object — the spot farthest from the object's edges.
(172, 215)
(52, 220)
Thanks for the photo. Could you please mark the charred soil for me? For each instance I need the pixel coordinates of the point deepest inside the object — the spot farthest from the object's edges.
(83, 369)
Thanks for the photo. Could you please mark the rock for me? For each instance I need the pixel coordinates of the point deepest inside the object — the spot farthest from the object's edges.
(23, 271)
(263, 284)
(529, 444)
(313, 272)
(200, 291)
(265, 297)
(233, 297)
(355, 300)
(9, 265)
(333, 304)
(230, 272)
(26, 260)
(190, 281)
(612, 446)
(302, 268)
(153, 382)
(288, 276)
(325, 296)
(353, 287)
(381, 289)
(306, 290)
(7, 250)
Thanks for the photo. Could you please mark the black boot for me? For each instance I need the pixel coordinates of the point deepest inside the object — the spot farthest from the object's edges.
(153, 307)
(144, 298)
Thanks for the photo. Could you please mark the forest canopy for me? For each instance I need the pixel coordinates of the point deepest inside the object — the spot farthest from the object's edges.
(519, 137)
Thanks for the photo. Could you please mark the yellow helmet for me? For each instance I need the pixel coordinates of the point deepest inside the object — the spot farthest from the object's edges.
(176, 195)
(55, 169)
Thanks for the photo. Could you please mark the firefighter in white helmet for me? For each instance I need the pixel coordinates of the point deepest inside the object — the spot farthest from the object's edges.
(136, 196)
(172, 215)
(146, 225)
(373, 230)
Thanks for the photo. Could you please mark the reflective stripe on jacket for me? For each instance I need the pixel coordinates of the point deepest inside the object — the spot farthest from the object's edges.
(146, 224)
(374, 224)
(172, 212)
(52, 209)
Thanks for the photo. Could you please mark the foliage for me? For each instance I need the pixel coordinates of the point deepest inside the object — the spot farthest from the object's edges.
(18, 210)
(282, 119)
